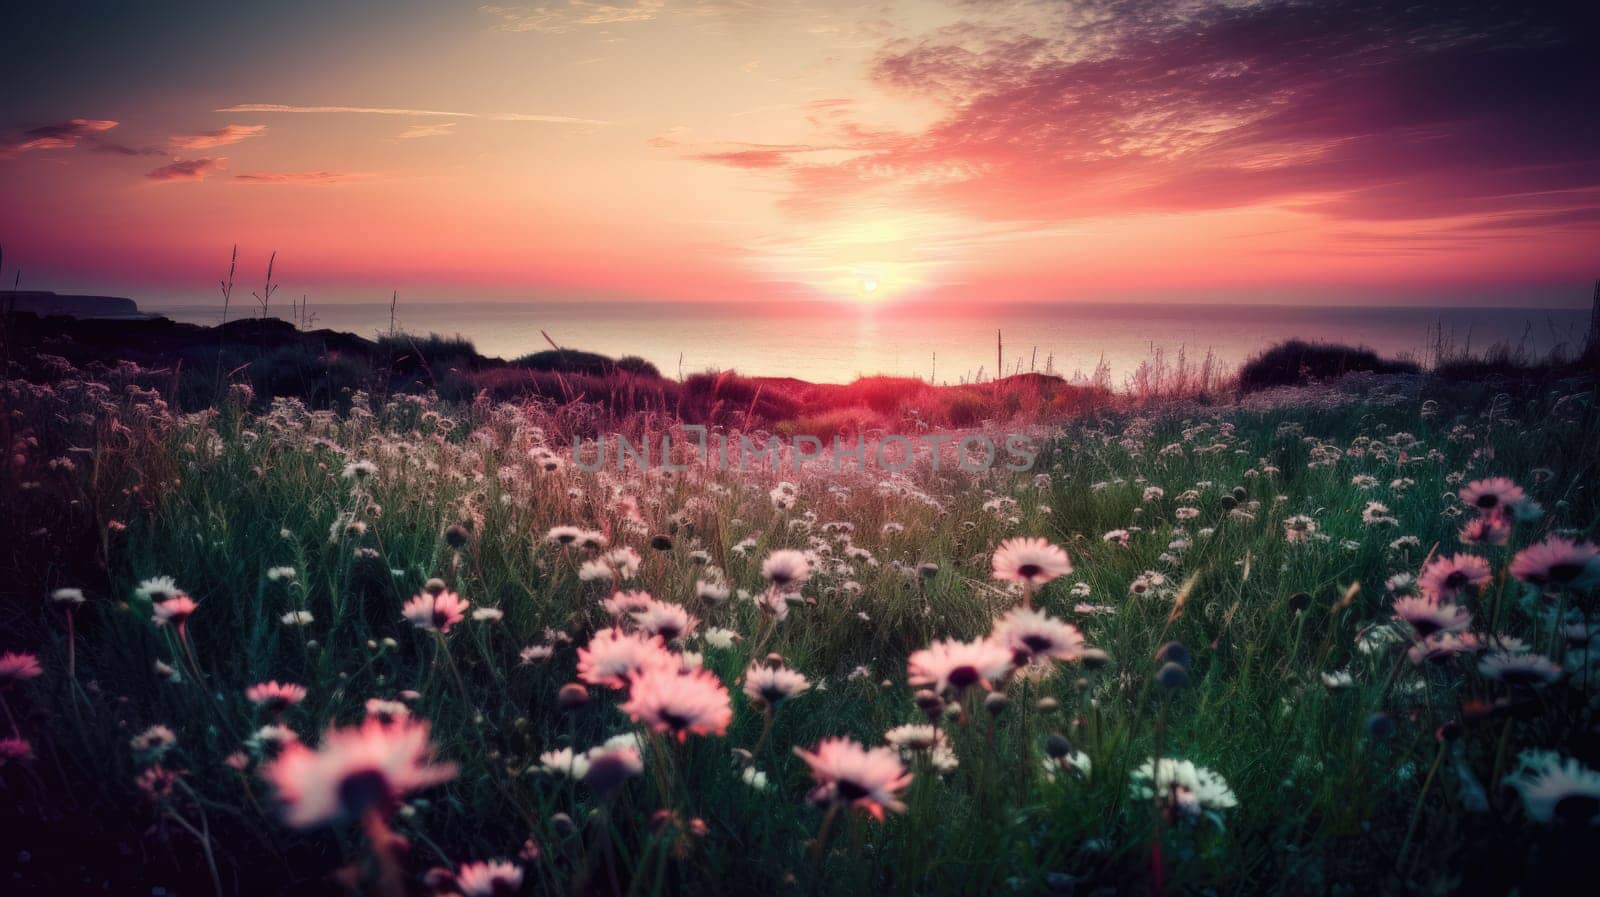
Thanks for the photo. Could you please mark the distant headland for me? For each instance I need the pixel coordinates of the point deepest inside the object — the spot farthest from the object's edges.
(46, 304)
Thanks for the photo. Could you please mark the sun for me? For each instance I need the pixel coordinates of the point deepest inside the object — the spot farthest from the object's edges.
(869, 284)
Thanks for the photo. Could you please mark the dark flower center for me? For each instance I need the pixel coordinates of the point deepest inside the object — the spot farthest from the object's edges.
(1520, 677)
(851, 791)
(1029, 571)
(1488, 501)
(364, 790)
(1455, 580)
(1577, 809)
(964, 677)
(1037, 642)
(606, 773)
(1565, 572)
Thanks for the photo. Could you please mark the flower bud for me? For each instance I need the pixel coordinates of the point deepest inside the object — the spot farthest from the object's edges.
(1380, 726)
(572, 696)
(1174, 652)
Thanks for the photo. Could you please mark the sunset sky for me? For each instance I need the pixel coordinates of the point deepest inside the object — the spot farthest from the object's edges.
(765, 150)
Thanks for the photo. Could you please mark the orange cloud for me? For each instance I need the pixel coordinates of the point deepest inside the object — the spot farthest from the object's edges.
(221, 137)
(298, 177)
(188, 169)
(64, 135)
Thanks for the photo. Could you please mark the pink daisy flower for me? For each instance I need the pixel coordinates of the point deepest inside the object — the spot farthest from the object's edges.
(174, 611)
(1447, 577)
(386, 712)
(1519, 669)
(435, 613)
(681, 704)
(491, 878)
(1492, 494)
(1032, 561)
(275, 697)
(626, 604)
(157, 782)
(1035, 635)
(15, 750)
(1559, 563)
(771, 685)
(953, 664)
(669, 621)
(1428, 617)
(16, 668)
(612, 657)
(356, 771)
(847, 773)
(786, 568)
(1443, 647)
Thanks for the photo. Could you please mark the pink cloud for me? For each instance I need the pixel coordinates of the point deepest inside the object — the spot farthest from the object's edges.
(188, 169)
(1353, 110)
(221, 137)
(299, 177)
(63, 135)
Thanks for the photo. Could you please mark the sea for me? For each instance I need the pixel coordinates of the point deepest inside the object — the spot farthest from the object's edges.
(836, 343)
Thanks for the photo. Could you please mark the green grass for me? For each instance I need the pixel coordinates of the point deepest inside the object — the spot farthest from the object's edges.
(215, 501)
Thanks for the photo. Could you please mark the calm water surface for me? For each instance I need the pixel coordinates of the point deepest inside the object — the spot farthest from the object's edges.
(836, 343)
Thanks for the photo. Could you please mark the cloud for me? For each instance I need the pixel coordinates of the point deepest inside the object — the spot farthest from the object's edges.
(299, 177)
(574, 14)
(188, 169)
(433, 129)
(221, 137)
(1354, 110)
(101, 145)
(63, 135)
(571, 15)
(773, 158)
(756, 156)
(418, 113)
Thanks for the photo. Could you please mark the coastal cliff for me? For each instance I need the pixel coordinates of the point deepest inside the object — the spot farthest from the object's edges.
(47, 304)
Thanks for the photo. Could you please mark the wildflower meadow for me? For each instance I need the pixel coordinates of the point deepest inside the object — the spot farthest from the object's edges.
(1331, 639)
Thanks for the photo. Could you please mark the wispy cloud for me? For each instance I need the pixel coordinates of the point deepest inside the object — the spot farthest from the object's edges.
(221, 137)
(62, 135)
(101, 145)
(430, 129)
(563, 16)
(758, 156)
(415, 113)
(300, 177)
(188, 169)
